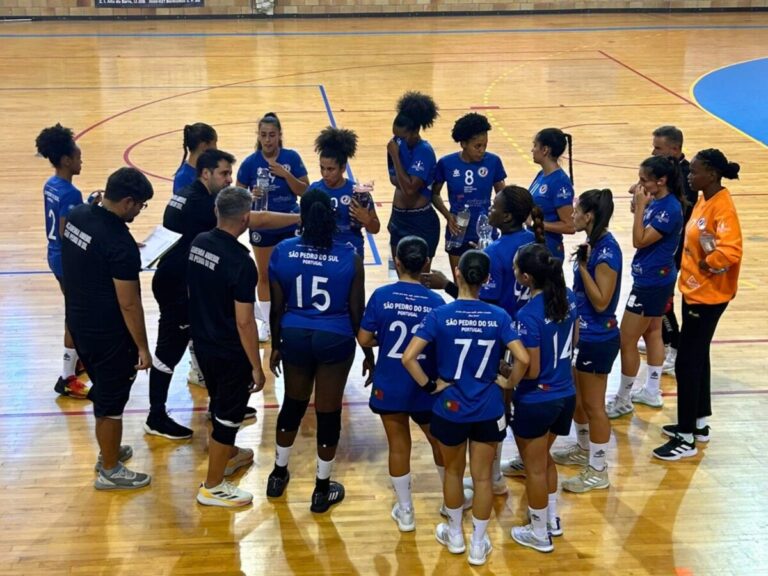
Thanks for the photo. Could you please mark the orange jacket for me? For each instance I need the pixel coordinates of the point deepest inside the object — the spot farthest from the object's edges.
(713, 234)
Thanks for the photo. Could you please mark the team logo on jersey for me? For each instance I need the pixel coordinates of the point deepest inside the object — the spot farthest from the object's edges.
(701, 223)
(662, 216)
(456, 173)
(378, 393)
(452, 405)
(544, 387)
(543, 189)
(255, 237)
(665, 271)
(692, 282)
(482, 172)
(605, 254)
(418, 166)
(611, 324)
(287, 167)
(346, 200)
(563, 193)
(723, 227)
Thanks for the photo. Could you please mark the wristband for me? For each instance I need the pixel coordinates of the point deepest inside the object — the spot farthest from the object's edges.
(430, 386)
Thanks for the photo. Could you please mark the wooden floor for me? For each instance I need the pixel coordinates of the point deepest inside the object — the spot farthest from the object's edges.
(128, 88)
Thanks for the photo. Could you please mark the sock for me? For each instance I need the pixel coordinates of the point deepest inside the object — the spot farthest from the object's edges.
(282, 454)
(70, 362)
(402, 486)
(193, 359)
(496, 471)
(159, 383)
(597, 454)
(701, 422)
(552, 508)
(454, 519)
(582, 435)
(625, 388)
(479, 527)
(441, 473)
(653, 379)
(324, 468)
(265, 308)
(538, 521)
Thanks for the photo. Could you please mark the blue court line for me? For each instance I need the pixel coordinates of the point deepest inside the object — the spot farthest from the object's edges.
(389, 32)
(332, 118)
(86, 88)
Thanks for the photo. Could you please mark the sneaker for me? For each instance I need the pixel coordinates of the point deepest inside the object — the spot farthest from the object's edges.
(72, 388)
(165, 426)
(469, 496)
(196, 378)
(250, 413)
(700, 434)
(276, 484)
(226, 495)
(513, 467)
(618, 407)
(123, 455)
(652, 399)
(264, 335)
(499, 486)
(322, 500)
(555, 528)
(676, 449)
(478, 553)
(406, 521)
(454, 542)
(588, 479)
(641, 347)
(244, 457)
(121, 479)
(524, 536)
(573, 456)
(669, 361)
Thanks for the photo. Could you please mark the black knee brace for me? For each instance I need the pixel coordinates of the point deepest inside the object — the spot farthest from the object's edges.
(291, 413)
(328, 428)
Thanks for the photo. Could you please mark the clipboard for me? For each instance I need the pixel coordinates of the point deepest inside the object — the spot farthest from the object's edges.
(156, 245)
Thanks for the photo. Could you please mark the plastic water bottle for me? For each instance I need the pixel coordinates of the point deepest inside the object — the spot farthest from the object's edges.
(361, 193)
(260, 193)
(484, 232)
(462, 221)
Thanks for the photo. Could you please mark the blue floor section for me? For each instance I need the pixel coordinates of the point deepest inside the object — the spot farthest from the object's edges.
(738, 95)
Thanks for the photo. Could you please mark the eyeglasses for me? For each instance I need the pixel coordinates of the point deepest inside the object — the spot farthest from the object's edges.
(144, 205)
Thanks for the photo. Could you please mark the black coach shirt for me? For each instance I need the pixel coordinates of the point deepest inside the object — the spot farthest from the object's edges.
(189, 212)
(95, 249)
(220, 272)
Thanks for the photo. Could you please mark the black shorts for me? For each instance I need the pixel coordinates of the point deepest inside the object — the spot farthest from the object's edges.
(597, 357)
(306, 348)
(535, 419)
(452, 433)
(422, 222)
(466, 247)
(110, 365)
(60, 280)
(650, 302)
(267, 238)
(421, 418)
(229, 385)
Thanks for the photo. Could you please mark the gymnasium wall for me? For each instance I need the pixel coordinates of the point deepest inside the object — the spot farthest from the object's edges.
(85, 8)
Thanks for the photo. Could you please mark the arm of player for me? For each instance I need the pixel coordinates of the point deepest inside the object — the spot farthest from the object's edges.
(519, 366)
(249, 339)
(271, 220)
(129, 299)
(366, 339)
(728, 243)
(565, 223)
(599, 289)
(410, 185)
(356, 309)
(534, 366)
(297, 185)
(276, 312)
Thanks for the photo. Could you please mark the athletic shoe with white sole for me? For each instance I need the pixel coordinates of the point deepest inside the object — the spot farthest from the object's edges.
(405, 518)
(469, 496)
(555, 528)
(478, 553)
(669, 361)
(196, 378)
(72, 387)
(573, 456)
(676, 449)
(588, 479)
(700, 434)
(618, 407)
(499, 485)
(525, 536)
(322, 500)
(244, 457)
(513, 467)
(643, 396)
(454, 542)
(121, 478)
(123, 455)
(165, 426)
(226, 495)
(641, 347)
(264, 335)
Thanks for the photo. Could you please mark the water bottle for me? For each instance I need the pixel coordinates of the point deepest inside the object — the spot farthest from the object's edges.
(484, 232)
(361, 193)
(260, 193)
(707, 241)
(462, 221)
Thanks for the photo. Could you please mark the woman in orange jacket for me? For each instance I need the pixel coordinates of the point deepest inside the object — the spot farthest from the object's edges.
(709, 275)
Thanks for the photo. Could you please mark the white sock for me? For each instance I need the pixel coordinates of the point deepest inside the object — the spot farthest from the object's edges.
(582, 435)
(653, 379)
(441, 473)
(625, 388)
(454, 519)
(282, 456)
(597, 454)
(193, 358)
(70, 362)
(402, 486)
(538, 521)
(552, 508)
(265, 308)
(479, 528)
(324, 468)
(701, 422)
(496, 471)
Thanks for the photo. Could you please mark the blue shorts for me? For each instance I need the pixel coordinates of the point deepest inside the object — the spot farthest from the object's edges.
(597, 357)
(422, 222)
(452, 433)
(651, 301)
(421, 418)
(535, 419)
(267, 238)
(307, 348)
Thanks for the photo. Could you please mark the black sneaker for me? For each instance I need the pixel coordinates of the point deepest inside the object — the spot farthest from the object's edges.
(700, 435)
(676, 449)
(250, 413)
(276, 484)
(165, 426)
(322, 500)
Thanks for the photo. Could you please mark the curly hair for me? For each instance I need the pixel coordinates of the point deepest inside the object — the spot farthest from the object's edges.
(54, 143)
(416, 110)
(469, 126)
(337, 143)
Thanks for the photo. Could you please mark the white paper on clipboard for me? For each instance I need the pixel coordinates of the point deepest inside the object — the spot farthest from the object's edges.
(156, 245)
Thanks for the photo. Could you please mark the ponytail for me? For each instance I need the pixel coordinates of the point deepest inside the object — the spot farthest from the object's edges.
(669, 167)
(547, 274)
(600, 204)
(569, 139)
(537, 215)
(196, 134)
(557, 141)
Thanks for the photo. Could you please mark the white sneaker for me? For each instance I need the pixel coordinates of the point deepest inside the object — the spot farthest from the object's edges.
(478, 553)
(499, 485)
(555, 528)
(513, 467)
(244, 457)
(618, 407)
(588, 479)
(641, 346)
(454, 542)
(121, 478)
(195, 378)
(264, 334)
(524, 535)
(469, 496)
(405, 518)
(573, 456)
(226, 495)
(669, 361)
(643, 396)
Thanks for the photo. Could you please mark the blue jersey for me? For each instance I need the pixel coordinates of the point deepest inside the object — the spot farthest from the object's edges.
(185, 176)
(550, 193)
(341, 198)
(418, 161)
(654, 265)
(502, 288)
(555, 343)
(597, 326)
(470, 184)
(59, 197)
(393, 313)
(316, 285)
(470, 337)
(280, 198)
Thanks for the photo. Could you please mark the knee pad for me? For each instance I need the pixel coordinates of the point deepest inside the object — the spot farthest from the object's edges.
(328, 428)
(291, 413)
(224, 431)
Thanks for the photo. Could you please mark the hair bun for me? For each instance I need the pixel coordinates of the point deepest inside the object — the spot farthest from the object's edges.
(732, 170)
